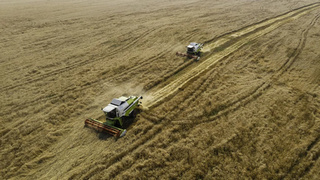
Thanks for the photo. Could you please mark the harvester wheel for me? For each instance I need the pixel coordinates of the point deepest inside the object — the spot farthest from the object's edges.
(133, 113)
(117, 124)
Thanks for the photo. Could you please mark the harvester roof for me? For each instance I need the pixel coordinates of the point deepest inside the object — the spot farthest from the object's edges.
(109, 108)
(117, 102)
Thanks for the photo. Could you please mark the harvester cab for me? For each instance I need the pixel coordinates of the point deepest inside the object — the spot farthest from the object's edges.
(193, 51)
(116, 109)
(115, 112)
(194, 48)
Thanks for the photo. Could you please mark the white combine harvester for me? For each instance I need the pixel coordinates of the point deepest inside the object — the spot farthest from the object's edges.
(193, 51)
(115, 112)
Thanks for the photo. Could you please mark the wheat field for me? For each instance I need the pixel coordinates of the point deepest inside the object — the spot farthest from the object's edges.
(248, 109)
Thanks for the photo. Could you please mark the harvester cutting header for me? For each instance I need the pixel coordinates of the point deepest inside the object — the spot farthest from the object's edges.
(115, 112)
(193, 51)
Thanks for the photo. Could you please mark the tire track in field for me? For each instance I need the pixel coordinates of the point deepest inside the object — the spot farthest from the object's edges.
(241, 38)
(260, 89)
(303, 155)
(258, 24)
(315, 154)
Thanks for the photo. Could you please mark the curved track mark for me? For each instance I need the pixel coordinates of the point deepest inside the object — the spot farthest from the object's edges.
(259, 90)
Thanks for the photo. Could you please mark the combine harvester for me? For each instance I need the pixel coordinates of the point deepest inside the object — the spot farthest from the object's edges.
(115, 111)
(193, 51)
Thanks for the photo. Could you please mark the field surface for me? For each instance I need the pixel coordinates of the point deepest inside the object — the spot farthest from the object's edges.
(249, 109)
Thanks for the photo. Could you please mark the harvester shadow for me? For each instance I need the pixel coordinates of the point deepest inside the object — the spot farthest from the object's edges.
(104, 136)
